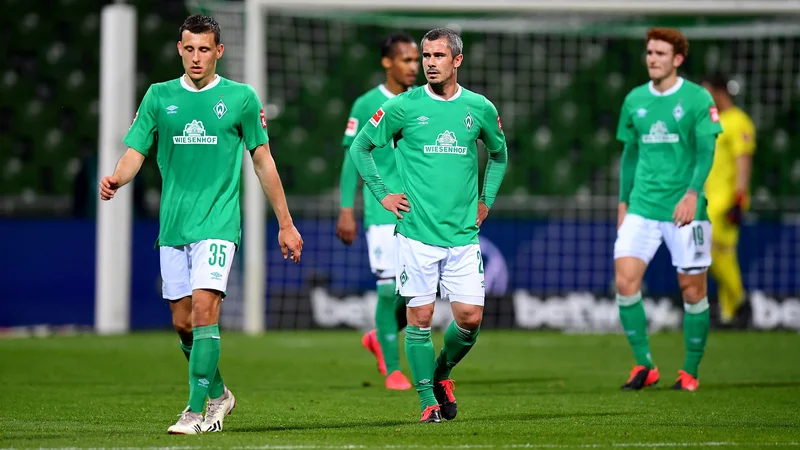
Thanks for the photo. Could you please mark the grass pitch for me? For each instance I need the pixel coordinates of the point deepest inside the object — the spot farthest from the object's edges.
(321, 389)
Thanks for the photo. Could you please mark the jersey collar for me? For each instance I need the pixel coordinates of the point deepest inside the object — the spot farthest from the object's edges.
(669, 91)
(191, 88)
(387, 92)
(436, 97)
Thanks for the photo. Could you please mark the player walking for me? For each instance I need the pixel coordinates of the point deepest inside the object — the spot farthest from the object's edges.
(200, 123)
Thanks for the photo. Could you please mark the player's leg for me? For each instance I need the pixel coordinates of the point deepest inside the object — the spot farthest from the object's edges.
(383, 343)
(725, 268)
(418, 266)
(690, 247)
(177, 289)
(182, 321)
(211, 264)
(636, 244)
(463, 286)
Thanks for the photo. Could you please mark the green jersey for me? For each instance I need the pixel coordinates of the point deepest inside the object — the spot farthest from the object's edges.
(437, 159)
(665, 127)
(199, 138)
(363, 108)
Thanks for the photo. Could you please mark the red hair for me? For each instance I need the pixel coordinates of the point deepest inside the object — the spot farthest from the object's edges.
(680, 45)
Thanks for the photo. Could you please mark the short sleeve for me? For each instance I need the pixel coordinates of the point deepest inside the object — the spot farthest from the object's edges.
(742, 137)
(626, 131)
(142, 133)
(494, 140)
(706, 116)
(254, 122)
(385, 122)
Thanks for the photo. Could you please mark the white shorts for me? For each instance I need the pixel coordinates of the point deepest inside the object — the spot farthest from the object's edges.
(381, 244)
(689, 246)
(458, 271)
(201, 265)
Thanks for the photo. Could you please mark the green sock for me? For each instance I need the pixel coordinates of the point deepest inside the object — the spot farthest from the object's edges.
(695, 334)
(634, 323)
(457, 343)
(419, 351)
(386, 325)
(217, 386)
(202, 364)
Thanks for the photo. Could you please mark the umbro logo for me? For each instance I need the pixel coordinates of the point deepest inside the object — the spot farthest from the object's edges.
(422, 120)
(172, 109)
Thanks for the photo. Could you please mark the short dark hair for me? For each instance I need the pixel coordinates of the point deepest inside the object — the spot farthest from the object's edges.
(717, 80)
(201, 24)
(453, 39)
(388, 45)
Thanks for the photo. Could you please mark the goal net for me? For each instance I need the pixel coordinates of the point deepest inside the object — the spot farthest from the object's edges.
(558, 80)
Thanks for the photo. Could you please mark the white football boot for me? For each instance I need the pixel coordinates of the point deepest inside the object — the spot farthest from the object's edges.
(189, 423)
(216, 411)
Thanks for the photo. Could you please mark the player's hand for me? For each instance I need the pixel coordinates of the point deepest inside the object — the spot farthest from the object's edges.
(291, 243)
(686, 209)
(622, 211)
(483, 211)
(396, 203)
(734, 214)
(346, 229)
(108, 187)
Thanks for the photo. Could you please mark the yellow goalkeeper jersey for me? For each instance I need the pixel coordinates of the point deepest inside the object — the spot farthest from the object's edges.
(737, 138)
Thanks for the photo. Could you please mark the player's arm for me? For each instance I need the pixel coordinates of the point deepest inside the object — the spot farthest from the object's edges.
(254, 130)
(139, 139)
(706, 129)
(742, 138)
(381, 129)
(627, 134)
(494, 141)
(346, 228)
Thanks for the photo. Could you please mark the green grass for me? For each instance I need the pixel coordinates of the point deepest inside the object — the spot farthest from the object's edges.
(321, 390)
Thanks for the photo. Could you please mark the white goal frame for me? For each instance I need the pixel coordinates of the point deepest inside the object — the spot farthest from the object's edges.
(255, 271)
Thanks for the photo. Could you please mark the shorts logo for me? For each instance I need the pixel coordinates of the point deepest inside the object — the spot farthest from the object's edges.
(216, 276)
(403, 277)
(377, 117)
(194, 133)
(659, 134)
(446, 143)
(378, 253)
(352, 127)
(714, 113)
(220, 109)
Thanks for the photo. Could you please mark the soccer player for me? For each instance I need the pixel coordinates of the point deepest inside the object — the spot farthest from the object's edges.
(668, 127)
(400, 60)
(728, 187)
(200, 124)
(435, 129)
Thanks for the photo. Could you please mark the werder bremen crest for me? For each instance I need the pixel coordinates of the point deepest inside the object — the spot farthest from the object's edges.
(446, 143)
(220, 109)
(469, 121)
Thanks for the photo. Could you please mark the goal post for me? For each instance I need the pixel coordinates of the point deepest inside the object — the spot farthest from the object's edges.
(527, 56)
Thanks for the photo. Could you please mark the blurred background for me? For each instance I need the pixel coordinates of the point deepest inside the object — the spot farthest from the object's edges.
(558, 80)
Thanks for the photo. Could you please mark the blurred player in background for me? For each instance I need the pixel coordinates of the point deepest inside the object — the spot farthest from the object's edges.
(668, 126)
(400, 60)
(200, 122)
(728, 188)
(435, 129)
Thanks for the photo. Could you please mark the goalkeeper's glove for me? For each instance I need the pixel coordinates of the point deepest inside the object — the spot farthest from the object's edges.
(734, 214)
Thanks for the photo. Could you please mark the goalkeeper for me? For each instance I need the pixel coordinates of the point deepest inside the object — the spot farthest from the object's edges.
(728, 186)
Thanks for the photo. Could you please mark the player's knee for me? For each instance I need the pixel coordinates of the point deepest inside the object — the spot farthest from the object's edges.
(420, 316)
(183, 326)
(627, 284)
(693, 292)
(468, 318)
(205, 307)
